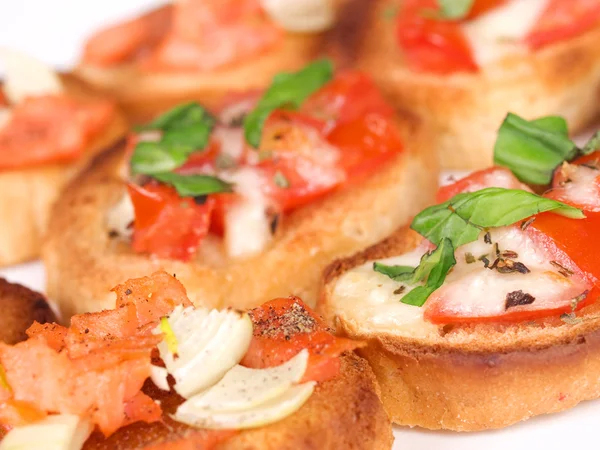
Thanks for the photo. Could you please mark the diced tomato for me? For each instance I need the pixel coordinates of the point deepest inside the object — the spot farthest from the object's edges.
(50, 129)
(562, 20)
(167, 225)
(285, 326)
(52, 333)
(430, 44)
(492, 177)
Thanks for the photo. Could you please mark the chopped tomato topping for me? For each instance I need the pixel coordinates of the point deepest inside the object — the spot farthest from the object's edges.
(167, 225)
(562, 20)
(50, 129)
(285, 326)
(492, 177)
(189, 35)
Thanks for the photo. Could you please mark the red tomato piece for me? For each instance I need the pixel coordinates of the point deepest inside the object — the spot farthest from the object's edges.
(167, 225)
(492, 177)
(49, 129)
(563, 20)
(285, 326)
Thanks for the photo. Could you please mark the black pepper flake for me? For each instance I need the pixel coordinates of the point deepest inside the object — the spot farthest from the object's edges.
(564, 271)
(509, 266)
(496, 250)
(113, 234)
(518, 298)
(128, 292)
(86, 331)
(200, 199)
(525, 224)
(275, 223)
(400, 290)
(509, 254)
(469, 258)
(486, 262)
(487, 238)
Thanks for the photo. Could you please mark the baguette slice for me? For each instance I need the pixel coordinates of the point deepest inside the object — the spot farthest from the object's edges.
(27, 195)
(470, 377)
(83, 262)
(465, 109)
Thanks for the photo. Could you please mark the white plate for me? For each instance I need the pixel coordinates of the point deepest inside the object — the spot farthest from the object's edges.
(53, 30)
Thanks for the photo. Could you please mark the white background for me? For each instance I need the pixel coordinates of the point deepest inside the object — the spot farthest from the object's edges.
(53, 30)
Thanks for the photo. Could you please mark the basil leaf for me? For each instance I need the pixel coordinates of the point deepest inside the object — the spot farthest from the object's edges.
(463, 217)
(455, 9)
(533, 149)
(193, 185)
(592, 145)
(394, 272)
(154, 157)
(286, 90)
(180, 116)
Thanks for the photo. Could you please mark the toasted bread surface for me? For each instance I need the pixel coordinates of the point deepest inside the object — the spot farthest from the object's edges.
(472, 377)
(83, 262)
(343, 413)
(465, 109)
(142, 94)
(27, 195)
(20, 308)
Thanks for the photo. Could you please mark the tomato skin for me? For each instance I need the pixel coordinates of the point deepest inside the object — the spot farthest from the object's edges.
(277, 339)
(563, 20)
(430, 44)
(167, 225)
(49, 129)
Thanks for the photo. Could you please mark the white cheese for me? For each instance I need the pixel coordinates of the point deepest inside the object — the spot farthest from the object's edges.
(120, 217)
(231, 140)
(25, 76)
(247, 227)
(243, 388)
(500, 32)
(582, 188)
(56, 432)
(304, 16)
(271, 411)
(159, 375)
(209, 343)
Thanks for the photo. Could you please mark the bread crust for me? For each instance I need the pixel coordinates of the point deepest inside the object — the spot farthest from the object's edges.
(467, 109)
(20, 308)
(27, 195)
(143, 94)
(343, 413)
(473, 377)
(83, 262)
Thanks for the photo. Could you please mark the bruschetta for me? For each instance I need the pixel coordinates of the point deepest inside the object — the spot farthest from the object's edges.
(156, 373)
(463, 65)
(203, 50)
(51, 125)
(485, 311)
(320, 167)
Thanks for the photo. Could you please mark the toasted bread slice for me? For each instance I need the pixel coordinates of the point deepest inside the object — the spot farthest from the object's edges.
(470, 377)
(20, 308)
(27, 195)
(343, 413)
(466, 109)
(143, 94)
(83, 262)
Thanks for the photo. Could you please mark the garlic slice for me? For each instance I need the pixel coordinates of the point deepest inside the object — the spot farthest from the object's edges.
(209, 343)
(302, 16)
(57, 432)
(26, 76)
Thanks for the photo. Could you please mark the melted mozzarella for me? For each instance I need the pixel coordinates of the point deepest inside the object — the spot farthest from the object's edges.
(55, 432)
(371, 301)
(231, 140)
(500, 32)
(583, 188)
(120, 217)
(247, 227)
(304, 16)
(26, 76)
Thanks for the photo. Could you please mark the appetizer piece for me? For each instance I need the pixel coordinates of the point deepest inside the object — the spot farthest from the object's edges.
(51, 125)
(486, 311)
(463, 64)
(144, 376)
(249, 204)
(202, 50)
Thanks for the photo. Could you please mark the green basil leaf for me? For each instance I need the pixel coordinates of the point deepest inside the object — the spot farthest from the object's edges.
(463, 217)
(592, 145)
(286, 90)
(193, 185)
(455, 9)
(533, 149)
(180, 116)
(192, 137)
(153, 157)
(439, 262)
(394, 272)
